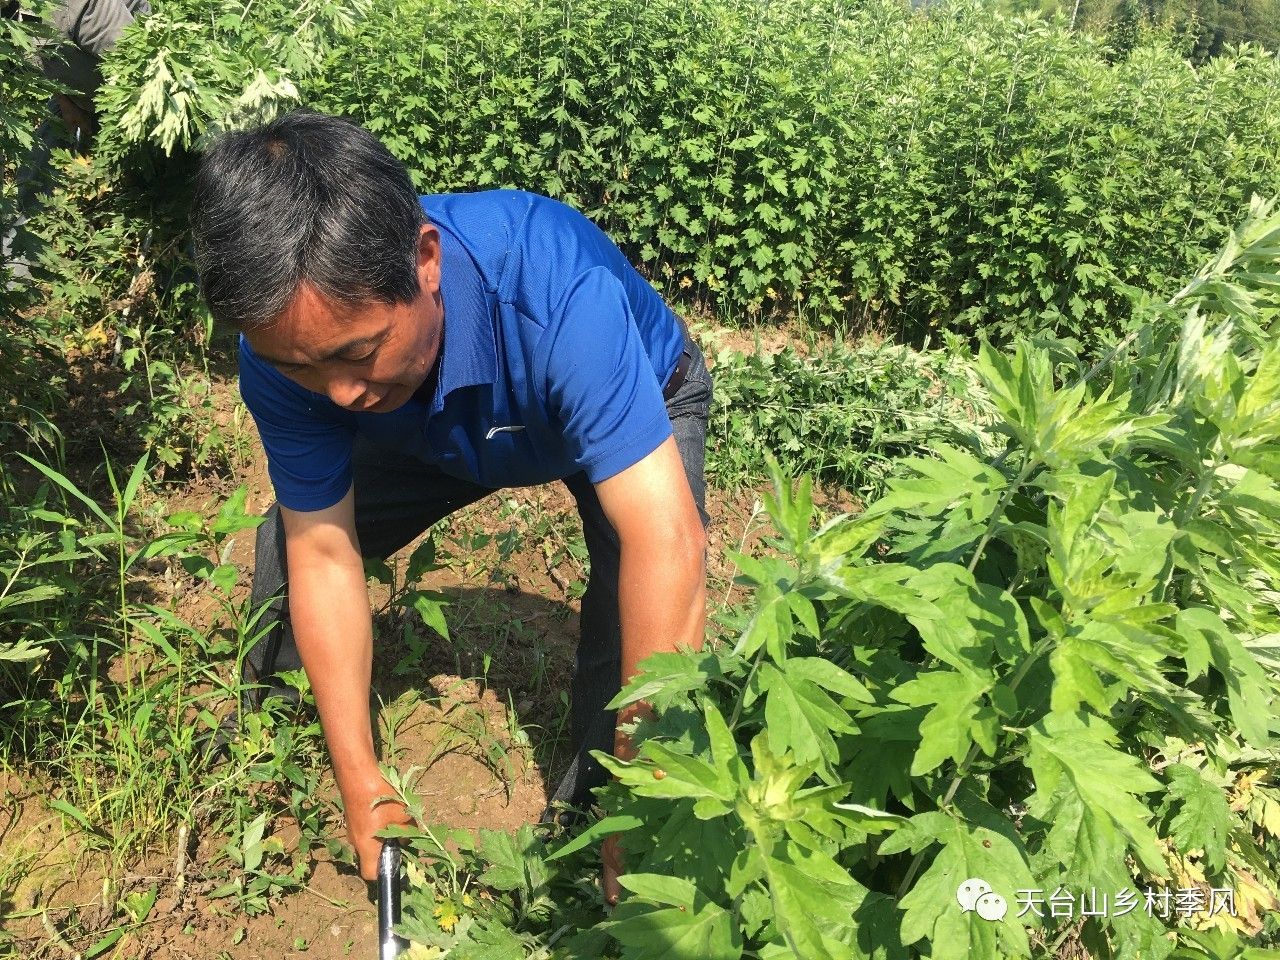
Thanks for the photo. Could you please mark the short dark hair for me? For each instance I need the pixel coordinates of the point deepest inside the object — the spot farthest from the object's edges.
(307, 197)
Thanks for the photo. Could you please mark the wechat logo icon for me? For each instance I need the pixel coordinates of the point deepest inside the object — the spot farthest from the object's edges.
(976, 895)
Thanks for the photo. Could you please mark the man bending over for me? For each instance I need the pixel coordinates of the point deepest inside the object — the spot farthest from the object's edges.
(404, 356)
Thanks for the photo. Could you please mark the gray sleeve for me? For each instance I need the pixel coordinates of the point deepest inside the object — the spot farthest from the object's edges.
(95, 25)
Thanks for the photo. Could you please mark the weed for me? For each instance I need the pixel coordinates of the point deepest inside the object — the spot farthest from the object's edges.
(841, 415)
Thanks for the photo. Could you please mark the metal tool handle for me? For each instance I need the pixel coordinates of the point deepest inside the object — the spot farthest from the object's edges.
(389, 945)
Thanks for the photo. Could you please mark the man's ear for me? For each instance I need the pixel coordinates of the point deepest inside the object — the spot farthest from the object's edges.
(429, 259)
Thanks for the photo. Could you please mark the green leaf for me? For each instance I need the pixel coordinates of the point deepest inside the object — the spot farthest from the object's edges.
(800, 717)
(967, 623)
(105, 944)
(619, 823)
(1203, 821)
(685, 924)
(75, 813)
(664, 678)
(770, 627)
(932, 909)
(845, 538)
(814, 902)
(946, 730)
(487, 939)
(1084, 850)
(827, 675)
(724, 749)
(956, 480)
(430, 607)
(1247, 685)
(231, 516)
(1076, 749)
(224, 576)
(1075, 680)
(669, 774)
(70, 488)
(687, 844)
(139, 904)
(505, 870)
(881, 584)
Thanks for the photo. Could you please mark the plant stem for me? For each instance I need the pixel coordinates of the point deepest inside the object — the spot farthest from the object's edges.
(998, 514)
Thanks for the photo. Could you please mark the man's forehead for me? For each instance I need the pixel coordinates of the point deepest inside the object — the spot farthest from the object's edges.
(313, 327)
(310, 307)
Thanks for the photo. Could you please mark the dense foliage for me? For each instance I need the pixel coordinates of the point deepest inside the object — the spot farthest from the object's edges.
(858, 162)
(1050, 670)
(24, 359)
(843, 414)
(1047, 678)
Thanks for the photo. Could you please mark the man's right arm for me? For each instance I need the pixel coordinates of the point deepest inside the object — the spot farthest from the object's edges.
(329, 611)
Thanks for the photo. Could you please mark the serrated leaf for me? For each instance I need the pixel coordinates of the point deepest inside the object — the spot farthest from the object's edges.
(932, 910)
(827, 675)
(669, 774)
(967, 623)
(1246, 683)
(1083, 850)
(1203, 821)
(800, 717)
(687, 925)
(1076, 748)
(504, 859)
(664, 678)
(814, 902)
(946, 730)
(770, 627)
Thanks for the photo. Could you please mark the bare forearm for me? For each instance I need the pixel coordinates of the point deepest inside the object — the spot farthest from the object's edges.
(662, 606)
(661, 603)
(329, 609)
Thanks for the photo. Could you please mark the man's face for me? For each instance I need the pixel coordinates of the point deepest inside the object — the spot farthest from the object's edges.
(367, 358)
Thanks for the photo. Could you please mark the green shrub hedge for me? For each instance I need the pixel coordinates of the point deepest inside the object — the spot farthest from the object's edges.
(858, 162)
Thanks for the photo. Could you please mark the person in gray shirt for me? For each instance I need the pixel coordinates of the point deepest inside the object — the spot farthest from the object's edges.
(91, 28)
(86, 29)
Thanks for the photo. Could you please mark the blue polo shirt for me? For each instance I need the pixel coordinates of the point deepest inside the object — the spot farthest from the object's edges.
(555, 352)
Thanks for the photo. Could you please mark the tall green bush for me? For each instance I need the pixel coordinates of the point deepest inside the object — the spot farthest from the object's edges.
(1050, 674)
(859, 162)
(961, 169)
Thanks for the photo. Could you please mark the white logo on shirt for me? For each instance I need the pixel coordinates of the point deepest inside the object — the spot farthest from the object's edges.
(515, 428)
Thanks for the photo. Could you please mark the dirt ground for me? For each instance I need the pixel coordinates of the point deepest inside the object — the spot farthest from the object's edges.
(513, 575)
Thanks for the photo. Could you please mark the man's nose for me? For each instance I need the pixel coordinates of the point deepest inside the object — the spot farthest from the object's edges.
(345, 390)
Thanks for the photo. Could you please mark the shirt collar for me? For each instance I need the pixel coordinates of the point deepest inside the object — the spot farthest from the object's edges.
(470, 355)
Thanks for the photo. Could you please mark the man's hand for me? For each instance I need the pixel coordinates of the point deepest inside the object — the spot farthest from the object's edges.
(366, 815)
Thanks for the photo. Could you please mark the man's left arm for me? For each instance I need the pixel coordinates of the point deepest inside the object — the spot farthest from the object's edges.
(662, 587)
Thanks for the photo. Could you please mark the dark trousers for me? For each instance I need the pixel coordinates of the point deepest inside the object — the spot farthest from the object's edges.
(397, 497)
